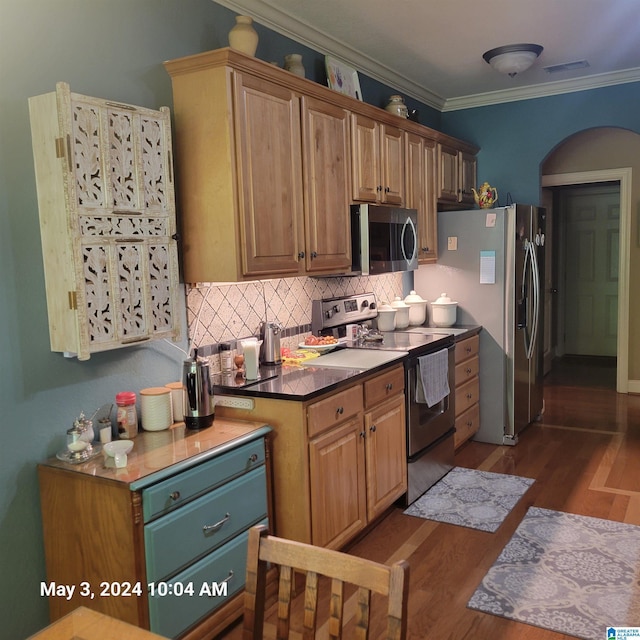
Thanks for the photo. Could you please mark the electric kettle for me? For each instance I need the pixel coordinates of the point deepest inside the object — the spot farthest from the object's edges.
(198, 394)
(270, 349)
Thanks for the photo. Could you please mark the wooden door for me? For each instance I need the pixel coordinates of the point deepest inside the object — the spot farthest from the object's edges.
(467, 178)
(337, 478)
(391, 165)
(386, 455)
(269, 167)
(365, 159)
(447, 173)
(592, 233)
(327, 187)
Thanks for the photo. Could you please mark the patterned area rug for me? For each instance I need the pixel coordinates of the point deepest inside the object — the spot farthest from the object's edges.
(471, 498)
(566, 573)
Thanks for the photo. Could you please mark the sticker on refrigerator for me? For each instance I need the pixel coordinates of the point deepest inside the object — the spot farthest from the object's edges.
(487, 267)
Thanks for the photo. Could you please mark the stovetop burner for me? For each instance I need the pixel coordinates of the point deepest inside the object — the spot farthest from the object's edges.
(331, 317)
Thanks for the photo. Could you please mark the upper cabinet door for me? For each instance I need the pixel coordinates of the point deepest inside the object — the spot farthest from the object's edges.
(269, 176)
(107, 212)
(391, 165)
(378, 161)
(326, 161)
(366, 159)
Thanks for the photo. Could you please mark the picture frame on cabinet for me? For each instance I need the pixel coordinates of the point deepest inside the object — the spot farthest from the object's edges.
(342, 78)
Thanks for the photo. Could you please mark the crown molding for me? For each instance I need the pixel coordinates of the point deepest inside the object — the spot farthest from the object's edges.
(543, 90)
(305, 34)
(280, 22)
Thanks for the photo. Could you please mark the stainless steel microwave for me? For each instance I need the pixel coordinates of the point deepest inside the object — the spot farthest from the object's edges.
(383, 239)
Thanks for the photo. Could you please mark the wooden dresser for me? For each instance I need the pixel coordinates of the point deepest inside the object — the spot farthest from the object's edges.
(467, 389)
(161, 543)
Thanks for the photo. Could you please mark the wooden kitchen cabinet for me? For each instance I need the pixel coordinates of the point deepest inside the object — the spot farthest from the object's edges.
(262, 171)
(107, 220)
(467, 392)
(174, 519)
(338, 461)
(457, 169)
(378, 161)
(420, 194)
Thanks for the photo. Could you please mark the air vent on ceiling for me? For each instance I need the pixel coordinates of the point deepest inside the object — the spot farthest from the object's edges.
(566, 66)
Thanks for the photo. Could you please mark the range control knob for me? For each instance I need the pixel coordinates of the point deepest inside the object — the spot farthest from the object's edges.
(365, 304)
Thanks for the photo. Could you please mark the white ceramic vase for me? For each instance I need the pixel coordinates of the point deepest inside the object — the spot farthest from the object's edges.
(293, 63)
(243, 37)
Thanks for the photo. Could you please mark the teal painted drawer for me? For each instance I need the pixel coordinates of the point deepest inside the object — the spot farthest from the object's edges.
(186, 534)
(174, 492)
(180, 602)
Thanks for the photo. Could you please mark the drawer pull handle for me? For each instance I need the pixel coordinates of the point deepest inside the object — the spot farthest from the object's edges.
(215, 527)
(227, 579)
(340, 410)
(174, 495)
(468, 370)
(253, 457)
(389, 386)
(469, 396)
(468, 349)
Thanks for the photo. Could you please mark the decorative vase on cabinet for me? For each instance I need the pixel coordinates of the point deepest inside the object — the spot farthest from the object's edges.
(243, 37)
(293, 63)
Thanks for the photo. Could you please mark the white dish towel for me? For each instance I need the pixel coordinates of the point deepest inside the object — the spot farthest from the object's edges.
(432, 385)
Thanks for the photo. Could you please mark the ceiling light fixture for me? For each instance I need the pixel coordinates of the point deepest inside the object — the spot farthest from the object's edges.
(513, 58)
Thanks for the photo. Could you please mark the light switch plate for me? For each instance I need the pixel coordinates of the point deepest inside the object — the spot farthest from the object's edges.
(452, 243)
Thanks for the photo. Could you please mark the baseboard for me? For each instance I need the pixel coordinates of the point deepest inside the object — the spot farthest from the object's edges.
(633, 386)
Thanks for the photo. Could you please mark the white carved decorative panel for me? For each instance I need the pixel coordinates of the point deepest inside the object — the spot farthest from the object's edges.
(131, 281)
(124, 185)
(153, 163)
(98, 295)
(86, 153)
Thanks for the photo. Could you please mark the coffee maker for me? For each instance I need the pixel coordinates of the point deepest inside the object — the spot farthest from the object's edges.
(199, 406)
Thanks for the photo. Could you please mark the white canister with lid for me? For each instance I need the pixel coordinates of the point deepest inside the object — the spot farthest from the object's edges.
(402, 313)
(417, 308)
(443, 311)
(386, 317)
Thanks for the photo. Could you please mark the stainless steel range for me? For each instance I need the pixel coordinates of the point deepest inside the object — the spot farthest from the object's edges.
(430, 429)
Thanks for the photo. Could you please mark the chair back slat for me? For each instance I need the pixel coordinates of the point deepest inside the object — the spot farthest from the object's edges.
(285, 588)
(370, 577)
(336, 609)
(310, 606)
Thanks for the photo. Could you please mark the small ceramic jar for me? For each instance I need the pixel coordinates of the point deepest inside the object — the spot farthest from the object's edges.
(402, 313)
(417, 308)
(397, 106)
(386, 319)
(443, 311)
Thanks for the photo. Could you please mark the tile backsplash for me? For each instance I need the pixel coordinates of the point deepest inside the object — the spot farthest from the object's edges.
(225, 312)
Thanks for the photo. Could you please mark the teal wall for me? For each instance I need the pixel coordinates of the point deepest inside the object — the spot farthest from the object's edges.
(516, 137)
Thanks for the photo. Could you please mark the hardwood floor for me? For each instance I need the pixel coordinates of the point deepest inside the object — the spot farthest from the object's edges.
(584, 455)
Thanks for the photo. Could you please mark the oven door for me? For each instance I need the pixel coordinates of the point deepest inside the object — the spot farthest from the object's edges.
(427, 424)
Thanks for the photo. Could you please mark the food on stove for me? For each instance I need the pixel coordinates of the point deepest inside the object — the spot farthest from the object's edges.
(314, 341)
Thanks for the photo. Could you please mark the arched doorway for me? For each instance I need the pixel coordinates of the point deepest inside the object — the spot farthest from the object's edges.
(585, 159)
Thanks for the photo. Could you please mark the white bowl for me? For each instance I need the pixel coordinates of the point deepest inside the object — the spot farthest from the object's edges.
(118, 447)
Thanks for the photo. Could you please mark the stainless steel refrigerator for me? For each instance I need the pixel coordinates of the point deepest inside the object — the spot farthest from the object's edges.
(491, 262)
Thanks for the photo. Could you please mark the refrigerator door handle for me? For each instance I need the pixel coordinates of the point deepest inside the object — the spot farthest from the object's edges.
(536, 300)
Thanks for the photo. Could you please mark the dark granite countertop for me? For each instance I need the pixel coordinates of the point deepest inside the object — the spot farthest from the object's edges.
(305, 382)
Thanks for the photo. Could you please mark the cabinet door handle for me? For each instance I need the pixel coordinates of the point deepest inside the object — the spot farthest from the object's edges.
(174, 495)
(387, 189)
(379, 187)
(215, 527)
(314, 254)
(363, 434)
(301, 255)
(373, 428)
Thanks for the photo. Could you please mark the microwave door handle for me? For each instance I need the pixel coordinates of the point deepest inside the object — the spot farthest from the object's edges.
(409, 223)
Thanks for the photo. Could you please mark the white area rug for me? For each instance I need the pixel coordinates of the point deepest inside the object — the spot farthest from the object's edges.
(570, 574)
(471, 498)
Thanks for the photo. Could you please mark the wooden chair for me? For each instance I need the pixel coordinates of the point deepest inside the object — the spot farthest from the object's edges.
(371, 577)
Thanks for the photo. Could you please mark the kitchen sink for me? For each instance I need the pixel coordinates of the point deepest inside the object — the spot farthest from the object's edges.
(355, 359)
